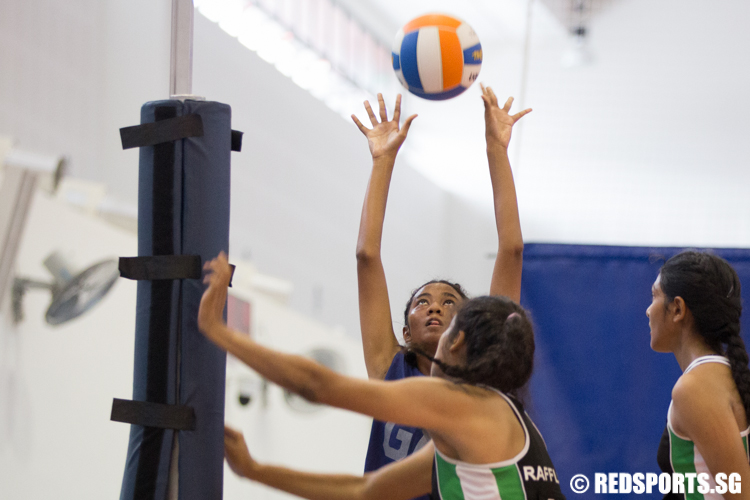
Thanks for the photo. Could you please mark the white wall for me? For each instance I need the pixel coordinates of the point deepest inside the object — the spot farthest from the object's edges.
(648, 145)
(324, 439)
(57, 383)
(298, 184)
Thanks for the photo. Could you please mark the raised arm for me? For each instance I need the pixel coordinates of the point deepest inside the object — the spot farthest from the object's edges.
(426, 402)
(402, 480)
(378, 339)
(506, 275)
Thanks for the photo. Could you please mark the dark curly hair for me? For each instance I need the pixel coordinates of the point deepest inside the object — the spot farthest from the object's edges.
(499, 344)
(710, 288)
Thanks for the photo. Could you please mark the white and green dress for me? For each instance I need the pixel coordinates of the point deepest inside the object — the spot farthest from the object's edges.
(528, 476)
(679, 454)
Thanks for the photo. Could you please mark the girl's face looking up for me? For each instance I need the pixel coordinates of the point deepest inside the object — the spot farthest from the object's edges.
(431, 311)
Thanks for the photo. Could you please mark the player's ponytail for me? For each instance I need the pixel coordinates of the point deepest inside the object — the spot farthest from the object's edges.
(710, 288)
(499, 344)
(738, 360)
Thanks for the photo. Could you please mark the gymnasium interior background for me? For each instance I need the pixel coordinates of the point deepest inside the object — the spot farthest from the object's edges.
(638, 139)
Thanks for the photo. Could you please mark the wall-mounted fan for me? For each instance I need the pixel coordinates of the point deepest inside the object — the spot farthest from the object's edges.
(72, 293)
(21, 173)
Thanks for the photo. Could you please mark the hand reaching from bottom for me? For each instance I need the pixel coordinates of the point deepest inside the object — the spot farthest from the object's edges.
(236, 452)
(211, 310)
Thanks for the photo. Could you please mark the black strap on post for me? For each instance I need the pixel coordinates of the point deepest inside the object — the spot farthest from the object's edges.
(164, 267)
(236, 140)
(161, 131)
(161, 267)
(162, 416)
(169, 130)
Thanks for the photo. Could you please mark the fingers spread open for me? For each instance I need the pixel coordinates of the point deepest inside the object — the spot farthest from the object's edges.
(383, 112)
(397, 109)
(492, 95)
(361, 127)
(407, 124)
(520, 114)
(373, 118)
(508, 104)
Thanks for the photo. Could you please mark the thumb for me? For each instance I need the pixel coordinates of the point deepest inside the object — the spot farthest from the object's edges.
(407, 124)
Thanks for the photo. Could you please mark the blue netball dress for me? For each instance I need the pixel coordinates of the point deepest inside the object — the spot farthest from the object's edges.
(388, 441)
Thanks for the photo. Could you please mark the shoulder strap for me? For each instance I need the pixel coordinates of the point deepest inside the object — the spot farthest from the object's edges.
(711, 358)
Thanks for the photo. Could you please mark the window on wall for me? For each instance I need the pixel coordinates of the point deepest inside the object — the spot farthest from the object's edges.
(316, 43)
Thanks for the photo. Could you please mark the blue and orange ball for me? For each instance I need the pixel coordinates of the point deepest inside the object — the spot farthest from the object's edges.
(437, 56)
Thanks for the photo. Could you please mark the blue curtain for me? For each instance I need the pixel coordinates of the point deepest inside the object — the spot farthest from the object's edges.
(599, 394)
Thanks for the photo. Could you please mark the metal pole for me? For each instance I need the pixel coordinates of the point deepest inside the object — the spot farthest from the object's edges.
(180, 87)
(181, 60)
(524, 83)
(16, 194)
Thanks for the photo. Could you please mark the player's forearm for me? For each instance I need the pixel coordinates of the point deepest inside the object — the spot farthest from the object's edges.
(373, 209)
(309, 485)
(378, 341)
(295, 373)
(510, 239)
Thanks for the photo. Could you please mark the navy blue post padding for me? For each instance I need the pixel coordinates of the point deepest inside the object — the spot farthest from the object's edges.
(599, 394)
(183, 209)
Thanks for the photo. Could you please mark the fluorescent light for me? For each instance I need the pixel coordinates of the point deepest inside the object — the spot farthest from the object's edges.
(232, 17)
(262, 33)
(292, 55)
(218, 10)
(274, 40)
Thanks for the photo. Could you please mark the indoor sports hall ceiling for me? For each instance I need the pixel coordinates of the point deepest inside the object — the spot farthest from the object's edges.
(646, 116)
(288, 35)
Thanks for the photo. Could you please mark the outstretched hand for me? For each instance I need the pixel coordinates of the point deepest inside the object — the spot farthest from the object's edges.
(498, 121)
(385, 137)
(211, 310)
(236, 452)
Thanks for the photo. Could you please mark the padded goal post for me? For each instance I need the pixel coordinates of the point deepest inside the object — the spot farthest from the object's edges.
(177, 412)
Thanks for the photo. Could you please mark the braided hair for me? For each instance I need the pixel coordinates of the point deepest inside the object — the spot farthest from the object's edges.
(499, 344)
(710, 288)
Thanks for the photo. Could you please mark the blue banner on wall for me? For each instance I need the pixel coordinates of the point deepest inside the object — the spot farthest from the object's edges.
(599, 394)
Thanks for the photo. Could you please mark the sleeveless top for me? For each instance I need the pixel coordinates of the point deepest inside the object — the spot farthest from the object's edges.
(390, 442)
(530, 475)
(679, 454)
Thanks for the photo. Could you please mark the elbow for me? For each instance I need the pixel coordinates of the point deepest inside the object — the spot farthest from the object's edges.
(366, 256)
(366, 488)
(512, 249)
